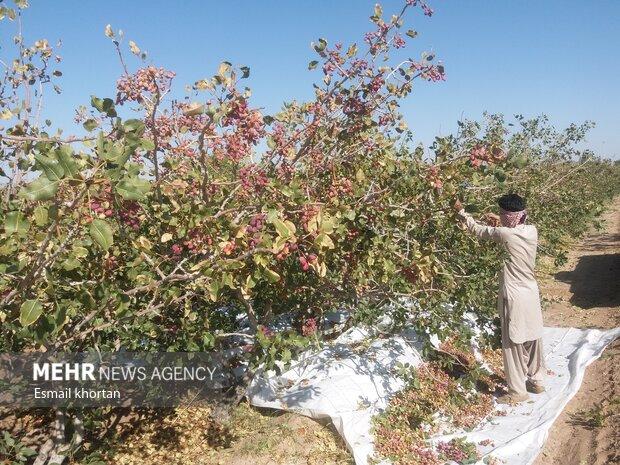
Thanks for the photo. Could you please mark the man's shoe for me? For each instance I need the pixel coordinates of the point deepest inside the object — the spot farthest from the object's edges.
(534, 387)
(512, 398)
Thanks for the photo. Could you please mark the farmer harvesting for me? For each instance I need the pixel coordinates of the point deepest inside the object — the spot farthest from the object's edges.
(518, 302)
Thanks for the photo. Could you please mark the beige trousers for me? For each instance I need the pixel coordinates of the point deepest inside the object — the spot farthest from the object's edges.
(521, 361)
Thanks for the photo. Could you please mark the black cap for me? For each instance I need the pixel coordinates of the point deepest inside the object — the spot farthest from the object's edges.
(511, 202)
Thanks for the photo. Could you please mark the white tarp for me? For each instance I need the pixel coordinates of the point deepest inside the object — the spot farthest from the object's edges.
(352, 379)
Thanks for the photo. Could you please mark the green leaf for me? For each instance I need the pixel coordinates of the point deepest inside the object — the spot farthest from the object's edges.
(472, 208)
(53, 212)
(313, 64)
(272, 214)
(64, 155)
(352, 50)
(271, 143)
(224, 68)
(101, 143)
(90, 124)
(105, 105)
(194, 109)
(15, 223)
(520, 162)
(272, 276)
(286, 355)
(108, 107)
(29, 312)
(232, 264)
(250, 282)
(96, 102)
(279, 243)
(214, 289)
(323, 240)
(28, 452)
(327, 225)
(80, 252)
(147, 144)
(208, 340)
(52, 169)
(133, 188)
(133, 125)
(283, 229)
(228, 280)
(101, 232)
(71, 264)
(40, 216)
(39, 189)
(8, 439)
(116, 153)
(320, 46)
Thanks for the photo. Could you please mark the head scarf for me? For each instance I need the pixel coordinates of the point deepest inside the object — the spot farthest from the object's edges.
(512, 219)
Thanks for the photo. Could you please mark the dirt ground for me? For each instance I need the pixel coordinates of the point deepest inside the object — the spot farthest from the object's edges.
(250, 437)
(586, 293)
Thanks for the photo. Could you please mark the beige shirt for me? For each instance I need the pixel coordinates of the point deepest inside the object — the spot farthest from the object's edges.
(519, 298)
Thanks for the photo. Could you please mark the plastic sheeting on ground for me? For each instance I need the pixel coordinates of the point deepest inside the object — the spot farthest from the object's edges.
(353, 378)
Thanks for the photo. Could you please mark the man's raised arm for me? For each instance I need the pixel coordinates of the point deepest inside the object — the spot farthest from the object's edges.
(482, 231)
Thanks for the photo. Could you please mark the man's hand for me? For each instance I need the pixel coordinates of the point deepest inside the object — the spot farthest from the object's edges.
(492, 219)
(458, 206)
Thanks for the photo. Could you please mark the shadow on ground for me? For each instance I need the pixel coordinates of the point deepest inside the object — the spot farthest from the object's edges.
(603, 243)
(595, 281)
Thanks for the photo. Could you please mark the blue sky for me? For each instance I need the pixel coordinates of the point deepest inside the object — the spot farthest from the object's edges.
(559, 57)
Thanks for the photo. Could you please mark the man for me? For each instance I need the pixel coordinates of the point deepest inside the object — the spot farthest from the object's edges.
(518, 303)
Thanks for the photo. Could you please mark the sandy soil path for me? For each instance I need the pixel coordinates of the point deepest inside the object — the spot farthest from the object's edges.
(586, 293)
